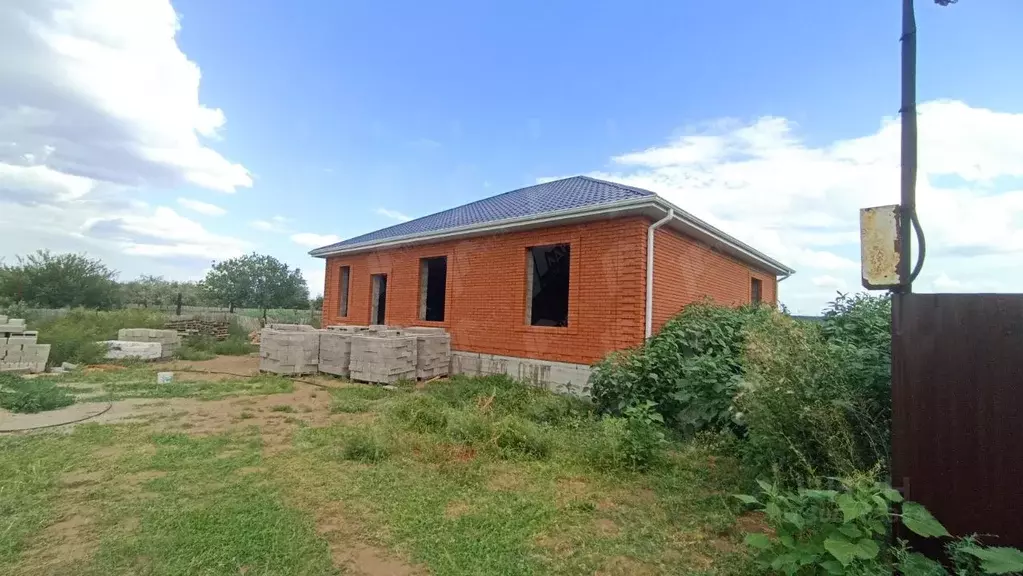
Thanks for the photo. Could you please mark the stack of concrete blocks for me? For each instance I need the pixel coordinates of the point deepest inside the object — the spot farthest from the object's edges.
(433, 351)
(19, 349)
(336, 349)
(169, 340)
(383, 357)
(124, 349)
(290, 352)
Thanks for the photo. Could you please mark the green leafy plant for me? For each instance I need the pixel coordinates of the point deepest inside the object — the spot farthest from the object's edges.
(19, 394)
(691, 369)
(635, 442)
(844, 531)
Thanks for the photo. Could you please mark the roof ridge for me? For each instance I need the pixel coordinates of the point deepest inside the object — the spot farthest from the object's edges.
(644, 191)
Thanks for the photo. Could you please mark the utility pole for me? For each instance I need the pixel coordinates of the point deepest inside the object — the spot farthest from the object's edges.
(909, 144)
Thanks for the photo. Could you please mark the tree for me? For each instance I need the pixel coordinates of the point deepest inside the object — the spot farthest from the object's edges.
(256, 280)
(229, 283)
(52, 280)
(274, 285)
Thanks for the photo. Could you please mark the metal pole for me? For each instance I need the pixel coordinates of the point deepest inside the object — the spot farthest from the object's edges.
(909, 149)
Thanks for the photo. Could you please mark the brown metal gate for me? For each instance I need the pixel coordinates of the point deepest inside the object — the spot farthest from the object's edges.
(957, 410)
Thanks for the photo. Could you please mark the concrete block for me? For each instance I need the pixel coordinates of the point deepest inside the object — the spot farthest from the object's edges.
(119, 349)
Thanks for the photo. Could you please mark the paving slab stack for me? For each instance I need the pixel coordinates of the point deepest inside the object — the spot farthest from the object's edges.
(433, 351)
(291, 352)
(383, 357)
(19, 348)
(169, 340)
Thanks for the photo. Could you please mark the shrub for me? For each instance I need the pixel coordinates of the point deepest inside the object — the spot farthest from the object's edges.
(633, 442)
(19, 394)
(806, 411)
(471, 428)
(690, 370)
(73, 336)
(845, 532)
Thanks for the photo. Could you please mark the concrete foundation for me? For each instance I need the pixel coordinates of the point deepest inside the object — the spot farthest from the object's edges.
(290, 352)
(383, 359)
(558, 377)
(169, 340)
(121, 349)
(19, 349)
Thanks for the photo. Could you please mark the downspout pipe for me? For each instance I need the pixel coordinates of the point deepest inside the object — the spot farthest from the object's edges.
(650, 270)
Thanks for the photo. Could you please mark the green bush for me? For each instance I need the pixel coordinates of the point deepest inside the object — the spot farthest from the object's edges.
(806, 410)
(24, 395)
(690, 370)
(73, 336)
(204, 347)
(845, 531)
(471, 428)
(634, 442)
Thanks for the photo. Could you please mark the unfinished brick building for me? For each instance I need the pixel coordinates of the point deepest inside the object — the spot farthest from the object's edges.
(543, 281)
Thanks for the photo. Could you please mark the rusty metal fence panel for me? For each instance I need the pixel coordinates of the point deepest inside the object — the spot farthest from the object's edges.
(957, 410)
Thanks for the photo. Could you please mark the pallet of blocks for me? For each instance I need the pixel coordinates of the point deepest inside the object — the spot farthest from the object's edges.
(20, 350)
(290, 352)
(169, 340)
(433, 351)
(336, 352)
(383, 358)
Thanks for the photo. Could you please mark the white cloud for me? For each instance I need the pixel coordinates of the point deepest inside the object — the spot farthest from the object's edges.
(101, 90)
(163, 232)
(98, 106)
(202, 207)
(393, 214)
(763, 183)
(314, 240)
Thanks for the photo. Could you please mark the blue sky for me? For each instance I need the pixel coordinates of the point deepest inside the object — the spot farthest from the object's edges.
(342, 112)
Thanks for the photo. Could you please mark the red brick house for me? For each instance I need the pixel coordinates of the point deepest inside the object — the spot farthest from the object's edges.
(543, 281)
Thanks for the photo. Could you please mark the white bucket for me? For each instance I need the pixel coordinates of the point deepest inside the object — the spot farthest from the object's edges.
(164, 377)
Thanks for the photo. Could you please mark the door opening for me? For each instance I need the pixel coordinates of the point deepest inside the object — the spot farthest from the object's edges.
(378, 310)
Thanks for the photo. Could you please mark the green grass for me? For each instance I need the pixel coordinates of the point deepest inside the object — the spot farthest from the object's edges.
(19, 394)
(140, 382)
(473, 476)
(207, 347)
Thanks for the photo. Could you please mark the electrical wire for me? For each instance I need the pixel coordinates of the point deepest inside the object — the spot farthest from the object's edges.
(922, 250)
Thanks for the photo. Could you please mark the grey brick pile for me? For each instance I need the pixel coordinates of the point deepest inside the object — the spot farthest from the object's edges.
(335, 352)
(122, 349)
(383, 358)
(433, 351)
(19, 349)
(291, 352)
(169, 340)
(378, 354)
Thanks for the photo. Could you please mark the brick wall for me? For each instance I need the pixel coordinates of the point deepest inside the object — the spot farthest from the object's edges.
(686, 271)
(485, 307)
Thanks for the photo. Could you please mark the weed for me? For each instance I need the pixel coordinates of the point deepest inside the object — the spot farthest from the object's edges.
(364, 446)
(419, 413)
(349, 406)
(283, 408)
(518, 437)
(73, 337)
(19, 394)
(245, 415)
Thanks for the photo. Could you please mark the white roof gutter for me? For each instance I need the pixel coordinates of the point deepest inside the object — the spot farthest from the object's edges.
(650, 269)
